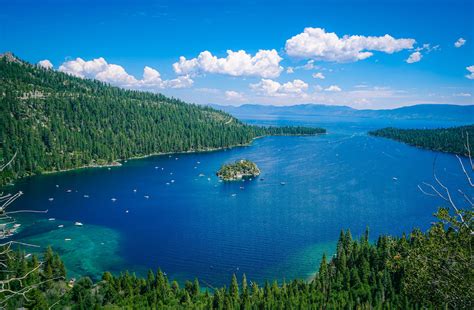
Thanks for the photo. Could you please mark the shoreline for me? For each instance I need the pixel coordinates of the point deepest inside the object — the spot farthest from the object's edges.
(118, 162)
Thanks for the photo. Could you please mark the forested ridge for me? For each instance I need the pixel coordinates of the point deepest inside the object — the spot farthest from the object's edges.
(54, 121)
(450, 140)
(431, 270)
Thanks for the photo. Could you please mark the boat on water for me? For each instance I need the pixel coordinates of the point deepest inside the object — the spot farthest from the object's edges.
(395, 178)
(51, 219)
(86, 196)
(60, 226)
(282, 183)
(51, 199)
(78, 224)
(114, 199)
(146, 196)
(67, 239)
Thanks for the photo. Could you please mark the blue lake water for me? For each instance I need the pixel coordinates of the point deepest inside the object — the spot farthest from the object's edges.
(195, 226)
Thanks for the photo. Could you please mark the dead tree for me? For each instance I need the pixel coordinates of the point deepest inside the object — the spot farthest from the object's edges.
(439, 189)
(11, 284)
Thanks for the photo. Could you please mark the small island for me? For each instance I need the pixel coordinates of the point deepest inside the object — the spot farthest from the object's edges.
(240, 169)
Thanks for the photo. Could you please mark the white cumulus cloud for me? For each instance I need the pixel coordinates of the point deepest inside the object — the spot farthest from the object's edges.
(471, 72)
(265, 63)
(116, 75)
(462, 95)
(45, 64)
(318, 75)
(316, 43)
(233, 96)
(333, 88)
(272, 88)
(414, 57)
(460, 42)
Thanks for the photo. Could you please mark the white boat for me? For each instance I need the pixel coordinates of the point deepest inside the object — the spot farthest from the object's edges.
(114, 199)
(86, 196)
(146, 196)
(51, 219)
(172, 181)
(67, 239)
(78, 224)
(68, 191)
(395, 178)
(134, 190)
(126, 211)
(51, 199)
(282, 183)
(16, 225)
(233, 195)
(60, 226)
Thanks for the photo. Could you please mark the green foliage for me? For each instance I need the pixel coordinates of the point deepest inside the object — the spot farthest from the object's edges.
(240, 169)
(56, 121)
(28, 283)
(451, 140)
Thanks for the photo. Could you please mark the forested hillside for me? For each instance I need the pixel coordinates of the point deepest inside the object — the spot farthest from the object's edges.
(451, 140)
(54, 121)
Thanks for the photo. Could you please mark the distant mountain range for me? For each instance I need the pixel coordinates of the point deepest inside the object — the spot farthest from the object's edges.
(422, 111)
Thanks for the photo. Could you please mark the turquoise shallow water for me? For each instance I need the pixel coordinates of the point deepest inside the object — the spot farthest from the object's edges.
(195, 226)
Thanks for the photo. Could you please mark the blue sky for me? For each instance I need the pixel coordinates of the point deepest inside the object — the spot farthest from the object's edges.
(283, 52)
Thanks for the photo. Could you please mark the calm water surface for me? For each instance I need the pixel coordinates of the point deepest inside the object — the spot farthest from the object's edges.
(172, 212)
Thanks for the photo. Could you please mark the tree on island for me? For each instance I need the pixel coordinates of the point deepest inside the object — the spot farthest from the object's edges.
(242, 168)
